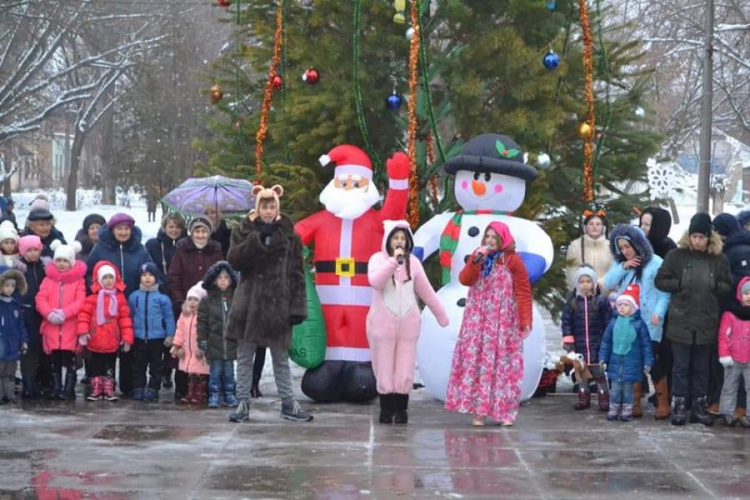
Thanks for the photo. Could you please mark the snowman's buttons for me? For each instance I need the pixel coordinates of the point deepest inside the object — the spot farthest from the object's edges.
(473, 231)
(461, 303)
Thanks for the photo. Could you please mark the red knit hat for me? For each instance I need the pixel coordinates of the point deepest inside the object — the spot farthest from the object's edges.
(631, 295)
(349, 160)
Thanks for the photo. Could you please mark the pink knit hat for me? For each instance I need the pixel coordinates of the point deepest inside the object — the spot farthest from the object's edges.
(197, 291)
(25, 243)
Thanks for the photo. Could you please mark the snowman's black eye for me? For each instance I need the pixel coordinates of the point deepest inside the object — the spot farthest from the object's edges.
(487, 177)
(476, 176)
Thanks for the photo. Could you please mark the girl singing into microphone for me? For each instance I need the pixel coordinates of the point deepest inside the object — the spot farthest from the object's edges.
(487, 368)
(394, 319)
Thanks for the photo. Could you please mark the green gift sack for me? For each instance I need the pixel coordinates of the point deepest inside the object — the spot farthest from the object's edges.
(308, 347)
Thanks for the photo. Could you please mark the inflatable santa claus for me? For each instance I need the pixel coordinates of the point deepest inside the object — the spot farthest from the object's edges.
(345, 235)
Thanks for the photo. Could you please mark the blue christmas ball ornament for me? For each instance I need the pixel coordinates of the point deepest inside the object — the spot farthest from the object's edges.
(394, 101)
(551, 5)
(551, 60)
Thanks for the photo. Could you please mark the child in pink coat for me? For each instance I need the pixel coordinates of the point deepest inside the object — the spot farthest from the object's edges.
(185, 347)
(394, 320)
(734, 355)
(60, 299)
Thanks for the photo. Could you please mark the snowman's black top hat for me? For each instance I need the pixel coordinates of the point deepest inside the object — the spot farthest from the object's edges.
(492, 153)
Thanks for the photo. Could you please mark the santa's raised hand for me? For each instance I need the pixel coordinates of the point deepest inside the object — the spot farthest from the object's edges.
(398, 171)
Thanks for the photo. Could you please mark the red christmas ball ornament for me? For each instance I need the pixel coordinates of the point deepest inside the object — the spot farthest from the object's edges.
(277, 82)
(215, 94)
(311, 76)
(224, 3)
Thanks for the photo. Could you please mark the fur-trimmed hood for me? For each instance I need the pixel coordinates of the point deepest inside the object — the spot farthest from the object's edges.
(209, 280)
(715, 244)
(637, 239)
(18, 277)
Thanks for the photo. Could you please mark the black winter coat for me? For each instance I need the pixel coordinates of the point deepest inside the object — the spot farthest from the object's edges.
(698, 281)
(161, 249)
(587, 340)
(223, 236)
(213, 312)
(658, 235)
(271, 295)
(34, 274)
(737, 250)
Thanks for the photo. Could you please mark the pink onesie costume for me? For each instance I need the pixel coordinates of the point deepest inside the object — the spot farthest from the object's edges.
(394, 320)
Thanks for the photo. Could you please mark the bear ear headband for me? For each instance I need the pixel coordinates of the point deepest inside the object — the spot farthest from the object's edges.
(588, 213)
(259, 190)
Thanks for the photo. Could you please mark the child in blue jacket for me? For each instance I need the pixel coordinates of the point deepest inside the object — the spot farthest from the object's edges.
(154, 328)
(584, 319)
(13, 338)
(625, 353)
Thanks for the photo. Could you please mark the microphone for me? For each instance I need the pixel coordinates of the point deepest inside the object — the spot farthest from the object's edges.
(400, 257)
(478, 258)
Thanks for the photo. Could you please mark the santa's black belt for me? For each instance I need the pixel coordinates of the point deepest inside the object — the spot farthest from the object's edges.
(342, 266)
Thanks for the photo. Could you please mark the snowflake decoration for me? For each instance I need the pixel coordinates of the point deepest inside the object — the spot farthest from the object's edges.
(661, 179)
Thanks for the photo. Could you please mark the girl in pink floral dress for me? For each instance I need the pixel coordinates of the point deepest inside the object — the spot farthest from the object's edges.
(487, 368)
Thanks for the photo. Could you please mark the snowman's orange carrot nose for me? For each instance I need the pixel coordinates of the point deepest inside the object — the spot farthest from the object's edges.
(478, 187)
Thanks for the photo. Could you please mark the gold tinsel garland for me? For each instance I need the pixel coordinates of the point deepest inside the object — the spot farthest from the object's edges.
(430, 160)
(413, 214)
(260, 135)
(588, 69)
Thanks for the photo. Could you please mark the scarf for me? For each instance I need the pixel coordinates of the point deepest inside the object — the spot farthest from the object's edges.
(449, 238)
(100, 318)
(489, 263)
(154, 288)
(623, 336)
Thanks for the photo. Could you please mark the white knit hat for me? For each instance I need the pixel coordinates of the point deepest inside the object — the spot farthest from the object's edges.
(8, 231)
(105, 270)
(197, 291)
(65, 252)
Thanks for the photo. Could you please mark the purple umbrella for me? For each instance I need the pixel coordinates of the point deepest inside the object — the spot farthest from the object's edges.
(222, 193)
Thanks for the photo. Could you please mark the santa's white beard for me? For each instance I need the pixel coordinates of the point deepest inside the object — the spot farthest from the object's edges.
(349, 204)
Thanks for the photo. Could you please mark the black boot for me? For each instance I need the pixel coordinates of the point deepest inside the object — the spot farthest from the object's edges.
(56, 386)
(386, 408)
(401, 405)
(678, 412)
(700, 412)
(69, 391)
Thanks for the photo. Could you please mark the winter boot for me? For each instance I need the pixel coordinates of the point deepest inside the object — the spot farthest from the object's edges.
(109, 389)
(56, 386)
(69, 391)
(603, 390)
(230, 391)
(637, 395)
(151, 395)
(745, 422)
(290, 410)
(189, 396)
(386, 409)
(95, 388)
(138, 394)
(242, 412)
(740, 412)
(713, 410)
(627, 412)
(679, 416)
(662, 400)
(614, 411)
(700, 412)
(214, 396)
(401, 415)
(200, 395)
(584, 400)
(730, 420)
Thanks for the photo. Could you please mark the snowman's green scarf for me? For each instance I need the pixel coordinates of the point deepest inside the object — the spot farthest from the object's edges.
(450, 236)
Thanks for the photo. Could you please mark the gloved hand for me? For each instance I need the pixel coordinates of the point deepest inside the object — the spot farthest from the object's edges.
(168, 341)
(603, 365)
(203, 345)
(173, 351)
(181, 353)
(24, 348)
(569, 347)
(199, 355)
(296, 320)
(84, 339)
(56, 317)
(125, 347)
(646, 369)
(726, 361)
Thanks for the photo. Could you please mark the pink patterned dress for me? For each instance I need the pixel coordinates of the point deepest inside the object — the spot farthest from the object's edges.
(487, 365)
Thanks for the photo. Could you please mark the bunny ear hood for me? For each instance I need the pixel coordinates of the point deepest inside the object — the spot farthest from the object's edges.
(390, 226)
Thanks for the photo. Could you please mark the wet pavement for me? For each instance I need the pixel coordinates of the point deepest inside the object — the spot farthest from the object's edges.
(159, 450)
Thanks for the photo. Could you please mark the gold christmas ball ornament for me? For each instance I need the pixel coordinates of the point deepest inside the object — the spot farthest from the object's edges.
(215, 94)
(585, 131)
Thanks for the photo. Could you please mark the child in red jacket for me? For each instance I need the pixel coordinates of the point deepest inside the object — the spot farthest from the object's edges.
(104, 325)
(60, 298)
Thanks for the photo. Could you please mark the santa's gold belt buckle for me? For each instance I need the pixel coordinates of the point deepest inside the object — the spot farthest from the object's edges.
(345, 267)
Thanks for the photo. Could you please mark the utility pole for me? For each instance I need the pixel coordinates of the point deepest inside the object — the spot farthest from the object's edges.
(704, 165)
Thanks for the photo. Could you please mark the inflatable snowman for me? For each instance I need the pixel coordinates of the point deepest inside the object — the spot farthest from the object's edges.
(490, 184)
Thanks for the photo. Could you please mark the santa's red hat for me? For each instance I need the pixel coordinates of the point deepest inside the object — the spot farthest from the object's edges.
(349, 160)
(631, 295)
